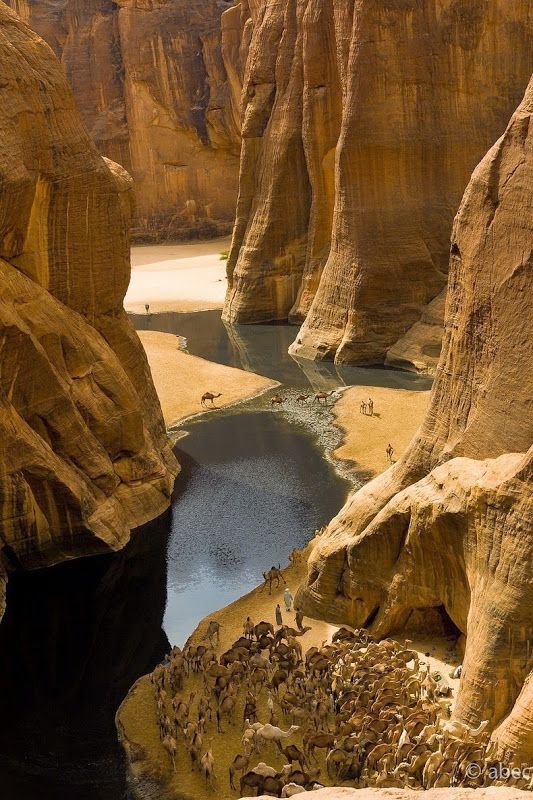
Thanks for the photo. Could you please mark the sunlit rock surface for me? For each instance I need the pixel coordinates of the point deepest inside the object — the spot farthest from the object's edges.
(150, 82)
(362, 123)
(451, 524)
(85, 455)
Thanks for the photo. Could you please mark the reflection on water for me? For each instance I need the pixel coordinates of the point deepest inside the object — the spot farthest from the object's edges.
(73, 641)
(264, 349)
(253, 487)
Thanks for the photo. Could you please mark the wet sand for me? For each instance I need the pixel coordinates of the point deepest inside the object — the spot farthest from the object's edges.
(178, 277)
(398, 413)
(181, 379)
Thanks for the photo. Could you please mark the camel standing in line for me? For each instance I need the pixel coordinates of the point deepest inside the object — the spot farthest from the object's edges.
(277, 400)
(210, 396)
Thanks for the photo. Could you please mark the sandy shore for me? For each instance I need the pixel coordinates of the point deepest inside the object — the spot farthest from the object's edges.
(181, 379)
(179, 277)
(137, 720)
(398, 414)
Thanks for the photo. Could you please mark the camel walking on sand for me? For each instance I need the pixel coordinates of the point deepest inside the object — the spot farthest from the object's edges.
(273, 574)
(210, 396)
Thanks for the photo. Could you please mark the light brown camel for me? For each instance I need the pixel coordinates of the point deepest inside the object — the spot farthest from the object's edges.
(210, 396)
(302, 398)
(277, 400)
(273, 574)
(319, 396)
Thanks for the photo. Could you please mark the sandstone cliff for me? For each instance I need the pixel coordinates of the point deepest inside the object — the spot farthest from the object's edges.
(451, 524)
(362, 123)
(84, 450)
(151, 85)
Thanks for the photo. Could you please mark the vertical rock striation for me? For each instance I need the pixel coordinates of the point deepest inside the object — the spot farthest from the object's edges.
(362, 123)
(151, 85)
(85, 455)
(451, 524)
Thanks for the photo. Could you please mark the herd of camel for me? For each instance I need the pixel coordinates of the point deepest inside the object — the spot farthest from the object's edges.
(355, 712)
(275, 400)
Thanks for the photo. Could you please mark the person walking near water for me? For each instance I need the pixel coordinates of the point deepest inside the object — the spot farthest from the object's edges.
(299, 619)
(287, 596)
(279, 618)
(147, 307)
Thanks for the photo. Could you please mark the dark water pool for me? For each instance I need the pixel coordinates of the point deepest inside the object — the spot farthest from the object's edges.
(253, 487)
(264, 349)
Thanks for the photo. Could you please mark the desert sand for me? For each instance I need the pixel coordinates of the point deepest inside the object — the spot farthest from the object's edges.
(397, 416)
(181, 379)
(137, 720)
(178, 277)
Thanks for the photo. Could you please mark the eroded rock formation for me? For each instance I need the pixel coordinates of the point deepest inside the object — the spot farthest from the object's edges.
(151, 85)
(85, 456)
(362, 123)
(451, 524)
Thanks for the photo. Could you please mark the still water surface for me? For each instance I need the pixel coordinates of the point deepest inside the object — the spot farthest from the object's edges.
(253, 487)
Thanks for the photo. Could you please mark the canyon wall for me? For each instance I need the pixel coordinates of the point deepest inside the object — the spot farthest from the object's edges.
(85, 456)
(151, 85)
(451, 524)
(362, 123)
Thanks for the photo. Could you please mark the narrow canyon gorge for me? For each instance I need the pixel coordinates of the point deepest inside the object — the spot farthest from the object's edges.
(338, 398)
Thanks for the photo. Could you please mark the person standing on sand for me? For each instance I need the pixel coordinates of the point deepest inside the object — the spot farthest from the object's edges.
(147, 307)
(279, 618)
(370, 406)
(362, 407)
(299, 619)
(390, 451)
(287, 596)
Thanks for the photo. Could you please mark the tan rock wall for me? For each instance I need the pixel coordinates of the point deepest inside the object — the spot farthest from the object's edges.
(151, 85)
(85, 455)
(371, 118)
(451, 523)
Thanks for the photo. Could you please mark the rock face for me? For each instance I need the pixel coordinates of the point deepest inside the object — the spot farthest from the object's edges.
(85, 455)
(451, 524)
(362, 123)
(151, 85)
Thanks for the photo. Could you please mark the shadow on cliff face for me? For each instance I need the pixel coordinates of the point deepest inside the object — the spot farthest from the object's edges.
(74, 639)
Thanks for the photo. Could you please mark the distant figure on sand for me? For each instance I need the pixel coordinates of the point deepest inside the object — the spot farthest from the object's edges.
(390, 452)
(362, 408)
(279, 618)
(147, 307)
(370, 406)
(299, 619)
(288, 598)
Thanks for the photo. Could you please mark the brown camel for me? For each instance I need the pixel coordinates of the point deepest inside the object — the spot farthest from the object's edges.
(302, 398)
(319, 396)
(277, 400)
(273, 574)
(210, 396)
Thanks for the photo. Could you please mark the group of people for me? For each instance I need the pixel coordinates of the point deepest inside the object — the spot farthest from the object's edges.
(367, 408)
(288, 600)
